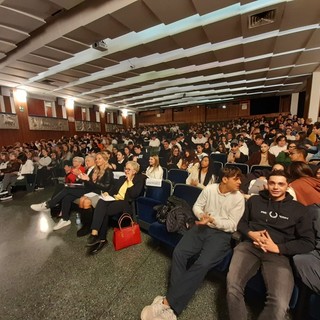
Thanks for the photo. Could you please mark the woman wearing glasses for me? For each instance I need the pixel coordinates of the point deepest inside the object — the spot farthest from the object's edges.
(127, 189)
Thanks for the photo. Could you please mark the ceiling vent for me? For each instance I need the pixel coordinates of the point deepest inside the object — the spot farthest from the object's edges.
(262, 18)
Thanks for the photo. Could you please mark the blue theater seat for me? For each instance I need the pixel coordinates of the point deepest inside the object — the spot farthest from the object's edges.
(153, 196)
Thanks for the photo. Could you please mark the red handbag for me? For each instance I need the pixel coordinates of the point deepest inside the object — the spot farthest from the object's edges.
(128, 236)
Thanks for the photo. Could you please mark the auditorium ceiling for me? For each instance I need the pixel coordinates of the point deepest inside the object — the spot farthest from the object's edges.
(149, 54)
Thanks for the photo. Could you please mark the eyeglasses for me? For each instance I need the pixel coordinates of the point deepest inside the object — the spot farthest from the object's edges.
(127, 169)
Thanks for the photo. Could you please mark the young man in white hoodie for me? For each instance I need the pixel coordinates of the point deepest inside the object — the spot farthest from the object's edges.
(219, 207)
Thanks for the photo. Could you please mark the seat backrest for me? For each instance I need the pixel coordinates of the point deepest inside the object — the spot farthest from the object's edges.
(177, 176)
(242, 166)
(165, 173)
(255, 167)
(159, 193)
(216, 167)
(221, 157)
(187, 192)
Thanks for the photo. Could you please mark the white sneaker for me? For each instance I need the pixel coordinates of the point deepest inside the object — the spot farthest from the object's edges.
(40, 207)
(167, 314)
(61, 224)
(157, 310)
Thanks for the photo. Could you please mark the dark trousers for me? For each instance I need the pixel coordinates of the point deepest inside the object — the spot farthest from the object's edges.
(212, 245)
(66, 196)
(277, 275)
(103, 211)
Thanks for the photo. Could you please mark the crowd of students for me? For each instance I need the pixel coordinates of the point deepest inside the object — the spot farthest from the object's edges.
(289, 144)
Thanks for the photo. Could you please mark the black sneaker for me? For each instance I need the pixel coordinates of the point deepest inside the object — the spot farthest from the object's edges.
(97, 248)
(83, 231)
(92, 240)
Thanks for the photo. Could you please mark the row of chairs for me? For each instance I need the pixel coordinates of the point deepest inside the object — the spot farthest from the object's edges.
(28, 181)
(180, 176)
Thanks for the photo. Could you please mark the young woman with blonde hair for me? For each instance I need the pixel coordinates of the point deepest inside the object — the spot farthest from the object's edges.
(102, 181)
(154, 170)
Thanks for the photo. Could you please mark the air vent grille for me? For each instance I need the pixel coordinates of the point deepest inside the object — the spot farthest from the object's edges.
(262, 18)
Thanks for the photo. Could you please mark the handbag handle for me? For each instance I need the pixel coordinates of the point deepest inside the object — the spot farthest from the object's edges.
(125, 216)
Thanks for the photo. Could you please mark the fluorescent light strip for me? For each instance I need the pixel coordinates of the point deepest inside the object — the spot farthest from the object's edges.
(192, 80)
(208, 92)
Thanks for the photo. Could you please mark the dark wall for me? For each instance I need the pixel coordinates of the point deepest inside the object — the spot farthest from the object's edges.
(264, 105)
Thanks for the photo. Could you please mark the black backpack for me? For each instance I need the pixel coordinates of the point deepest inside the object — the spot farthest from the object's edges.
(176, 214)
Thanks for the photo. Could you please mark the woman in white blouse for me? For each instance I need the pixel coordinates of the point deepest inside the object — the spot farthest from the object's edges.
(154, 169)
(202, 176)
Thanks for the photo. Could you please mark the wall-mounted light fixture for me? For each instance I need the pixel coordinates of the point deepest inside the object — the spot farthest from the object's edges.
(21, 95)
(70, 103)
(102, 108)
(124, 113)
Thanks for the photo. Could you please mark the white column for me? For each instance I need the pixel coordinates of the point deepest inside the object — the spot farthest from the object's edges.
(294, 103)
(2, 107)
(314, 97)
(111, 117)
(133, 120)
(53, 108)
(13, 108)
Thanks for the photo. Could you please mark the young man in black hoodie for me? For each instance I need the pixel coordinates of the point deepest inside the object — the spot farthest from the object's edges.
(275, 227)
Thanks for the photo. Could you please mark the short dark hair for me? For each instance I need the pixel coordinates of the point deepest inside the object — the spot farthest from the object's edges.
(301, 150)
(281, 173)
(230, 172)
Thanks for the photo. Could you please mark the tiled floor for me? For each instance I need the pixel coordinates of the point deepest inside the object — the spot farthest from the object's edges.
(46, 274)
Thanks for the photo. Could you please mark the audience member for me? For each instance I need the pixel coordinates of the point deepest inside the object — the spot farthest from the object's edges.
(218, 208)
(203, 175)
(101, 181)
(263, 157)
(10, 175)
(235, 155)
(305, 185)
(154, 169)
(127, 189)
(67, 195)
(174, 158)
(281, 145)
(275, 227)
(188, 160)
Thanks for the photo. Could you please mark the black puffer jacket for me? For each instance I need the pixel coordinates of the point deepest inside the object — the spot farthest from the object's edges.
(104, 184)
(287, 222)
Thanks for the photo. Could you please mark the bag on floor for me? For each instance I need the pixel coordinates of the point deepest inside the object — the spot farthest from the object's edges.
(127, 236)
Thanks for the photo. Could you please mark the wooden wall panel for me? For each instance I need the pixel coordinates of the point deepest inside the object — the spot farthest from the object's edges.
(7, 104)
(59, 111)
(35, 107)
(77, 113)
(285, 103)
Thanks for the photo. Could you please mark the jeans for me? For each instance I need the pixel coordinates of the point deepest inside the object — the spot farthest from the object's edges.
(212, 245)
(277, 275)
